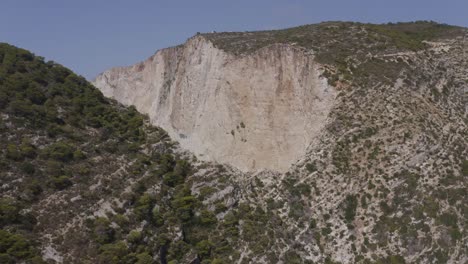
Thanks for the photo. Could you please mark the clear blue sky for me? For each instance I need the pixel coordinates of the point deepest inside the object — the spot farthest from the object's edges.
(90, 36)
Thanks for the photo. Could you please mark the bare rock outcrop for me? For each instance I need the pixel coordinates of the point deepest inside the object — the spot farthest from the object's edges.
(256, 111)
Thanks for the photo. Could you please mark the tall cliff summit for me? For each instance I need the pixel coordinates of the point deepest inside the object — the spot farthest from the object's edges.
(257, 111)
(336, 142)
(257, 100)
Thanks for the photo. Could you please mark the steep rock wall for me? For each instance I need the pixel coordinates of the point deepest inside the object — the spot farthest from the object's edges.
(258, 111)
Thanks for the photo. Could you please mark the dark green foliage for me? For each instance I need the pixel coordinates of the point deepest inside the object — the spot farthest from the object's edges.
(449, 219)
(35, 90)
(27, 168)
(395, 259)
(465, 167)
(204, 248)
(207, 217)
(351, 204)
(156, 217)
(311, 167)
(15, 248)
(296, 189)
(53, 168)
(27, 149)
(144, 206)
(134, 237)
(113, 253)
(13, 153)
(144, 258)
(176, 175)
(33, 188)
(60, 182)
(183, 204)
(292, 257)
(166, 164)
(60, 151)
(78, 155)
(341, 154)
(326, 231)
(21, 108)
(102, 232)
(312, 223)
(9, 212)
(17, 153)
(304, 189)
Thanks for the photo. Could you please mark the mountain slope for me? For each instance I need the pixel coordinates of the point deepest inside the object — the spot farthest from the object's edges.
(85, 179)
(384, 176)
(256, 100)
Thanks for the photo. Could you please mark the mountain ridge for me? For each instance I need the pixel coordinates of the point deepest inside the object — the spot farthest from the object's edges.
(239, 131)
(87, 179)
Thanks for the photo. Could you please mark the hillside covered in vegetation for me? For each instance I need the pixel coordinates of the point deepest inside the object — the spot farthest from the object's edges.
(88, 178)
(85, 179)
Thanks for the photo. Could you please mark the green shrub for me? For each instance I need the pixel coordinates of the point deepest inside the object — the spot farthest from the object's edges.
(144, 206)
(351, 203)
(60, 182)
(54, 168)
(465, 168)
(14, 247)
(312, 223)
(177, 250)
(177, 176)
(113, 253)
(21, 108)
(4, 99)
(326, 231)
(204, 248)
(9, 212)
(183, 207)
(78, 155)
(166, 164)
(144, 258)
(207, 217)
(13, 153)
(33, 188)
(311, 167)
(156, 218)
(396, 259)
(27, 168)
(27, 150)
(60, 151)
(102, 232)
(449, 219)
(134, 236)
(206, 191)
(292, 257)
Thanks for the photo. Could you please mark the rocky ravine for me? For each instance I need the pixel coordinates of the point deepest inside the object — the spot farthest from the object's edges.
(257, 111)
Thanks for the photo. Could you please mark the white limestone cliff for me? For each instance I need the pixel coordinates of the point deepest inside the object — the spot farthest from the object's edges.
(257, 111)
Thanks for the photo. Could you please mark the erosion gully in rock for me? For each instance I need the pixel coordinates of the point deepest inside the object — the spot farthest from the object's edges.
(256, 111)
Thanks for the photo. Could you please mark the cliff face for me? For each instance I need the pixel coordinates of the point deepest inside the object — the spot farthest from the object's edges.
(257, 111)
(383, 180)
